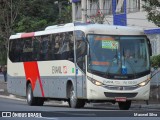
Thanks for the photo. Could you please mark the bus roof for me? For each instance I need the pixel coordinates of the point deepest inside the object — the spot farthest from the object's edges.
(87, 28)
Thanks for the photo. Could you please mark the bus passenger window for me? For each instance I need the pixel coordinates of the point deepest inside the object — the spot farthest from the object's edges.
(81, 49)
(11, 50)
(44, 48)
(57, 47)
(15, 52)
(71, 45)
(65, 47)
(18, 51)
(28, 50)
(51, 51)
(36, 48)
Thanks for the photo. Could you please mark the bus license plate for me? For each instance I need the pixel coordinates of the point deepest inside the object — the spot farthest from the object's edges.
(120, 99)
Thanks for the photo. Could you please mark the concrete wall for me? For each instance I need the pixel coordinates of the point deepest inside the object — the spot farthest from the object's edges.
(155, 87)
(155, 43)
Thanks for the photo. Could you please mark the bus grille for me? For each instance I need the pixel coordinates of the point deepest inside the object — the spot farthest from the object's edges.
(113, 95)
(121, 87)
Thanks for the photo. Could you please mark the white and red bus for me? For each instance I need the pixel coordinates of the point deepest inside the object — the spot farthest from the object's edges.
(80, 63)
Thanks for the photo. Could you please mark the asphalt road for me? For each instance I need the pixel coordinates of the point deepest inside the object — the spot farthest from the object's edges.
(54, 111)
(1, 77)
(63, 112)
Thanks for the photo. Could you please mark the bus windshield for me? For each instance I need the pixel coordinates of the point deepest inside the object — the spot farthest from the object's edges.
(118, 56)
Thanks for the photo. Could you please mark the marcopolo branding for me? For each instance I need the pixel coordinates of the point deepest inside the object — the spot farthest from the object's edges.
(108, 82)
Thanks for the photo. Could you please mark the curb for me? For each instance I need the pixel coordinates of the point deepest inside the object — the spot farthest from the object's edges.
(12, 97)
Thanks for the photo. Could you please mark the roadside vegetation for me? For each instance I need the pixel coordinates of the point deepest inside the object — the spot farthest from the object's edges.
(18, 16)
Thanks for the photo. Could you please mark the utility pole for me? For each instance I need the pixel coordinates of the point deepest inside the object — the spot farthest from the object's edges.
(84, 10)
(73, 12)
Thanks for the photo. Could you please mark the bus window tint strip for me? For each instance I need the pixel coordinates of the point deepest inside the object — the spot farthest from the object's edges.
(42, 48)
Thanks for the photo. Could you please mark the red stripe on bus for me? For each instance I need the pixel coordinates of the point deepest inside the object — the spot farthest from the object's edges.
(25, 35)
(32, 74)
(40, 81)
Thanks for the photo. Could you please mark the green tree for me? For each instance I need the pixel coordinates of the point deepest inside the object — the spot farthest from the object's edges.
(36, 15)
(65, 12)
(9, 10)
(155, 61)
(153, 9)
(27, 16)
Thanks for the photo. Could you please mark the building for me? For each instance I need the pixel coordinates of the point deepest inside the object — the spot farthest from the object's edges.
(117, 12)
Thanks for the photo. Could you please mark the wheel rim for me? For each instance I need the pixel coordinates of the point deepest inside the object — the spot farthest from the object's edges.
(29, 95)
(73, 97)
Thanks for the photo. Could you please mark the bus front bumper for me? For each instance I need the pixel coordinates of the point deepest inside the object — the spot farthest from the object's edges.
(102, 93)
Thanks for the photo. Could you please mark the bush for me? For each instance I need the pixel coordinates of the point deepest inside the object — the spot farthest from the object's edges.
(155, 61)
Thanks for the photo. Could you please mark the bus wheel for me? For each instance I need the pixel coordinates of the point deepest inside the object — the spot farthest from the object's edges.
(73, 101)
(124, 105)
(40, 101)
(31, 100)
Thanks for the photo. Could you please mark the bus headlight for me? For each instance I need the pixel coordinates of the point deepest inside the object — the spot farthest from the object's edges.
(96, 82)
(144, 82)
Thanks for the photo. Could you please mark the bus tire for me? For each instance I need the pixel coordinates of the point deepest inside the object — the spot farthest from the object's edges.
(31, 100)
(124, 105)
(73, 101)
(39, 101)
